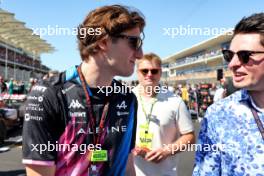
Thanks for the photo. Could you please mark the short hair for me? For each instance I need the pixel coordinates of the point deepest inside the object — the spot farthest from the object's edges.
(106, 21)
(251, 24)
(150, 57)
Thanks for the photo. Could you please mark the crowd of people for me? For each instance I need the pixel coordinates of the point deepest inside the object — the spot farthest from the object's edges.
(12, 86)
(17, 57)
(197, 97)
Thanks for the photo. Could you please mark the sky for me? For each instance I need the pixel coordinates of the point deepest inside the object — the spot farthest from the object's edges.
(170, 25)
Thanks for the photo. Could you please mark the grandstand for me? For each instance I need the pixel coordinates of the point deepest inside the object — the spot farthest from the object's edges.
(199, 63)
(20, 49)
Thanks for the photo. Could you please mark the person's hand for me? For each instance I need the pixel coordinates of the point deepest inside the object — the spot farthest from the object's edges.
(157, 155)
(140, 151)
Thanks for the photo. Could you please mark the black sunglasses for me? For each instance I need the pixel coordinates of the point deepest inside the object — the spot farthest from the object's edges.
(243, 55)
(153, 71)
(134, 41)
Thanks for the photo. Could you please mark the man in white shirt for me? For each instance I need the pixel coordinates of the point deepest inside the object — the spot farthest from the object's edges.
(220, 93)
(163, 125)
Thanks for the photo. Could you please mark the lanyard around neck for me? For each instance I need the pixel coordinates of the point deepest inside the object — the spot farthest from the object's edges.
(147, 116)
(92, 118)
(257, 119)
(258, 122)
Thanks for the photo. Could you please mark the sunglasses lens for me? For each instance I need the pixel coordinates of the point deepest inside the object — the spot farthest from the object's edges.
(144, 71)
(135, 42)
(243, 56)
(154, 71)
(228, 55)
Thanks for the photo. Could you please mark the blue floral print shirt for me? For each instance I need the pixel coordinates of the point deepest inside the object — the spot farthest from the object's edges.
(230, 143)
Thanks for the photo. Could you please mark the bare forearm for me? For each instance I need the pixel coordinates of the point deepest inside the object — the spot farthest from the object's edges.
(34, 170)
(181, 144)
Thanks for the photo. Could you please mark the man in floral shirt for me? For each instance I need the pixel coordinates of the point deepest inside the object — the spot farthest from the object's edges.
(233, 127)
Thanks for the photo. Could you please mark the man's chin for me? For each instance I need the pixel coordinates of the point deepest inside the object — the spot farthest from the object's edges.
(240, 85)
(150, 84)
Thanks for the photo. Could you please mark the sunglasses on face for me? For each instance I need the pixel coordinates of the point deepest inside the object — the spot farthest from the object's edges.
(135, 42)
(243, 55)
(152, 71)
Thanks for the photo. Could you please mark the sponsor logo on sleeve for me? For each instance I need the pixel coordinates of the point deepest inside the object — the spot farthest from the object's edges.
(76, 105)
(34, 107)
(28, 117)
(39, 88)
(68, 89)
(119, 113)
(39, 99)
(77, 114)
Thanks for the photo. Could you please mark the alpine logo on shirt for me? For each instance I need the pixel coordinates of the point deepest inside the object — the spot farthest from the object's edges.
(122, 105)
(76, 105)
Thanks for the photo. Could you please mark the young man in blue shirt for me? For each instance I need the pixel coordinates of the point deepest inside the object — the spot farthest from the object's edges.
(233, 126)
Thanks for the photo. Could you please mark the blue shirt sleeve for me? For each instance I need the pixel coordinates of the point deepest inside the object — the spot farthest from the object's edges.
(207, 157)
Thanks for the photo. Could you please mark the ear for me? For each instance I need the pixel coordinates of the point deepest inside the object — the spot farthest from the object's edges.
(103, 44)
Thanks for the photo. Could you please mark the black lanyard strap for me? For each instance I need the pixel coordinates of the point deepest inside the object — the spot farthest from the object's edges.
(92, 118)
(258, 122)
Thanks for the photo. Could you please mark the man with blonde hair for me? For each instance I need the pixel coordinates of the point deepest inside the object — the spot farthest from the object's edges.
(164, 124)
